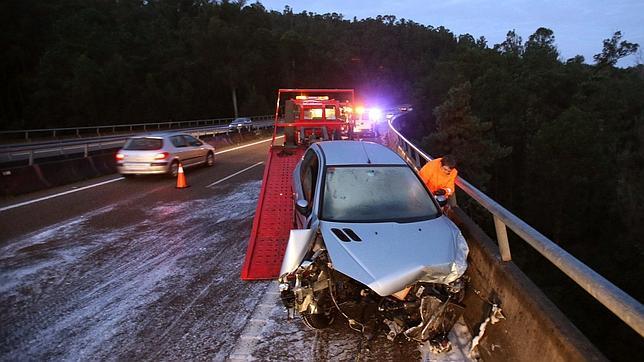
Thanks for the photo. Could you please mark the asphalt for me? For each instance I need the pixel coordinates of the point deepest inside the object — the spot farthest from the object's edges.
(138, 270)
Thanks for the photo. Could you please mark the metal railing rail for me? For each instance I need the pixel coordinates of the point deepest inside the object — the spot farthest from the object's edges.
(616, 300)
(113, 128)
(30, 152)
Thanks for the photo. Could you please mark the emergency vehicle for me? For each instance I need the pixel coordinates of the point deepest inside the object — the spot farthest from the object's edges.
(366, 121)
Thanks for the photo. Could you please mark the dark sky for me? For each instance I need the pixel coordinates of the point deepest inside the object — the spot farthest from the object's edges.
(579, 26)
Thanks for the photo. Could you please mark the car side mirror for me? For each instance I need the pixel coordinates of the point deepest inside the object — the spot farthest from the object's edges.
(442, 200)
(441, 197)
(302, 206)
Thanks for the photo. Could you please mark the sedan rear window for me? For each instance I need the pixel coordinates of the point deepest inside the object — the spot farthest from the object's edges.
(375, 194)
(143, 144)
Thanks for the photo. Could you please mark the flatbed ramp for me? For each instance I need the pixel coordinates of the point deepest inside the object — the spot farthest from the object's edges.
(273, 217)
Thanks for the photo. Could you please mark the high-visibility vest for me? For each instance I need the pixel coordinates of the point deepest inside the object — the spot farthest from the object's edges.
(436, 179)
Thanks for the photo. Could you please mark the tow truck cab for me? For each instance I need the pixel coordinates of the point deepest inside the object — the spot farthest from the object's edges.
(311, 117)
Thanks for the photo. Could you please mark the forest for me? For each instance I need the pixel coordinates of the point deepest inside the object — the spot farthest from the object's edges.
(559, 142)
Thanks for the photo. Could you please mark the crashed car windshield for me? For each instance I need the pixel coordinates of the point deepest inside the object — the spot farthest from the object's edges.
(375, 194)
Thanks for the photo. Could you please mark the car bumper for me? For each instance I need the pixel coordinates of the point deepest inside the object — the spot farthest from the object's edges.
(142, 168)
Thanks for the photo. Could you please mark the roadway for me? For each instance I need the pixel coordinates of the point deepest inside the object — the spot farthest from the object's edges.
(136, 269)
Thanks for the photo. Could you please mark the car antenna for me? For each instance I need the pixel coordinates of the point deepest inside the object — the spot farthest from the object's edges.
(365, 152)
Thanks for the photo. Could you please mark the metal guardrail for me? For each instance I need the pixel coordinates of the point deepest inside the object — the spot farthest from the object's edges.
(145, 127)
(32, 151)
(616, 300)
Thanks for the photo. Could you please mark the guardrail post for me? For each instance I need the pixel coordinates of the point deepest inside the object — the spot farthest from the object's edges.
(86, 150)
(26, 136)
(77, 132)
(54, 133)
(31, 158)
(417, 159)
(502, 239)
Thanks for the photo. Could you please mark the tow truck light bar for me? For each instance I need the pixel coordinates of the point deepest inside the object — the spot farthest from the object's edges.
(318, 98)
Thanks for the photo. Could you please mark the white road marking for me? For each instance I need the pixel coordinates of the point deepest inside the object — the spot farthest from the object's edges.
(251, 335)
(121, 178)
(60, 194)
(248, 145)
(235, 174)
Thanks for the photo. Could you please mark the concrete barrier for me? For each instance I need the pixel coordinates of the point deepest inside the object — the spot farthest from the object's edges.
(68, 171)
(104, 164)
(534, 328)
(21, 180)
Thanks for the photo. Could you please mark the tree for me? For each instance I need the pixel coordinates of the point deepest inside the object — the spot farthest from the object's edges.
(512, 45)
(614, 50)
(464, 136)
(542, 44)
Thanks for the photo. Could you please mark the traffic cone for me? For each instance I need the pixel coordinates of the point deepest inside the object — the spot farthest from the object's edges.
(181, 178)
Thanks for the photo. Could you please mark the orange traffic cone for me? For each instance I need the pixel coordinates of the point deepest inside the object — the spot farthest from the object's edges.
(181, 178)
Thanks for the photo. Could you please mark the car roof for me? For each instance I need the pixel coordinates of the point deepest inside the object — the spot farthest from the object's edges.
(345, 153)
(159, 134)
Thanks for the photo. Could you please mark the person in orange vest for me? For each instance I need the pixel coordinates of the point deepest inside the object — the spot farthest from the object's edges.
(439, 174)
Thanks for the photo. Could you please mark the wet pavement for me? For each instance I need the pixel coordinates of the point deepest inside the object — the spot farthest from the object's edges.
(155, 276)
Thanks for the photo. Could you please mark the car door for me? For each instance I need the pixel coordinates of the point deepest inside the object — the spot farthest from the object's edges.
(306, 188)
(197, 152)
(182, 151)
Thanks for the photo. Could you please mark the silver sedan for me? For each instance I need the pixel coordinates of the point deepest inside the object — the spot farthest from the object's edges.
(161, 154)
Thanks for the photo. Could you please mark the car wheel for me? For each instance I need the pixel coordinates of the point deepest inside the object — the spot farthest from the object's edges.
(210, 159)
(174, 169)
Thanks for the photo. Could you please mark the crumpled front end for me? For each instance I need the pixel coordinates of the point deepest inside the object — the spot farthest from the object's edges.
(387, 257)
(403, 279)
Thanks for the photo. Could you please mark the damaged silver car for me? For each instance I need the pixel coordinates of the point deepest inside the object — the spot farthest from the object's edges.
(371, 245)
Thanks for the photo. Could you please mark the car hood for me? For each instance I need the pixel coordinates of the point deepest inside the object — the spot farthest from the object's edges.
(392, 256)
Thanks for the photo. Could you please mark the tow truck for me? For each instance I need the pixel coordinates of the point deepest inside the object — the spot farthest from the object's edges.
(304, 116)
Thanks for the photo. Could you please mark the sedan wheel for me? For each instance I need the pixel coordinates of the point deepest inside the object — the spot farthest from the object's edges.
(210, 159)
(174, 169)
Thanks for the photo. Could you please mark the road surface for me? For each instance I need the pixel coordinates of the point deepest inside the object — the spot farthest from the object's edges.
(138, 270)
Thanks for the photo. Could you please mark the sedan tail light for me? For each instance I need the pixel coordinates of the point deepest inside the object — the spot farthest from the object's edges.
(161, 156)
(120, 157)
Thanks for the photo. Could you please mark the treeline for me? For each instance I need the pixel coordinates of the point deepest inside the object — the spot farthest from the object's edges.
(558, 142)
(79, 62)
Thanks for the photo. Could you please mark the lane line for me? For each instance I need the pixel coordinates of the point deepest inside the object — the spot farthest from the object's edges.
(60, 194)
(122, 178)
(235, 174)
(251, 334)
(248, 145)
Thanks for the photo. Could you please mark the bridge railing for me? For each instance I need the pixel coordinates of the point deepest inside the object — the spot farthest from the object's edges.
(29, 152)
(617, 301)
(28, 134)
